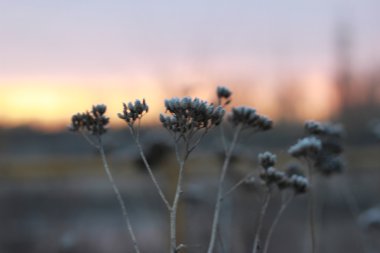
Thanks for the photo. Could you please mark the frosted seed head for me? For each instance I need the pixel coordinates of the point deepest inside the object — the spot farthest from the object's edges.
(131, 107)
(99, 109)
(223, 92)
(267, 159)
(306, 147)
(300, 184)
(94, 122)
(314, 127)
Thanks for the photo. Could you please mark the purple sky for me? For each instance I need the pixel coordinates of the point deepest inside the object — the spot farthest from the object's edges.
(74, 38)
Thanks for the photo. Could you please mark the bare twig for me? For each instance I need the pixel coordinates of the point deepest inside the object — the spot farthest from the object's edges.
(223, 136)
(174, 207)
(88, 139)
(118, 196)
(219, 199)
(238, 184)
(143, 157)
(263, 210)
(222, 246)
(311, 206)
(284, 205)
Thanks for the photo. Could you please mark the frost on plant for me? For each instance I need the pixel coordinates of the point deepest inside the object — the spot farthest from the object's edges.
(328, 160)
(307, 147)
(133, 111)
(250, 119)
(187, 115)
(224, 96)
(267, 159)
(188, 120)
(94, 121)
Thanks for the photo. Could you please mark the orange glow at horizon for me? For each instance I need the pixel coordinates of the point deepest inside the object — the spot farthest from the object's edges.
(319, 100)
(50, 107)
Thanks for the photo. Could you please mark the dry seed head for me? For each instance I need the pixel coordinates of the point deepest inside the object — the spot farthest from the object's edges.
(187, 114)
(224, 95)
(95, 121)
(99, 109)
(267, 159)
(133, 111)
(324, 129)
(306, 147)
(314, 127)
(300, 184)
(248, 117)
(271, 175)
(223, 92)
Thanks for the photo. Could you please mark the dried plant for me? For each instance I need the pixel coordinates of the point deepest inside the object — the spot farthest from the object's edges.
(320, 149)
(188, 120)
(95, 123)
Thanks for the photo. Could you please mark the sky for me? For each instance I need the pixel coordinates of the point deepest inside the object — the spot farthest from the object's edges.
(60, 57)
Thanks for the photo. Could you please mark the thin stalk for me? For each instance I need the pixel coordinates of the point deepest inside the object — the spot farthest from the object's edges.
(311, 208)
(88, 139)
(223, 136)
(263, 210)
(238, 184)
(222, 247)
(143, 157)
(174, 207)
(118, 196)
(284, 205)
(219, 198)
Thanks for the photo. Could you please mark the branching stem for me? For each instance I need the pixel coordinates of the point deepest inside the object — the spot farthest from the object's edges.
(174, 207)
(143, 157)
(118, 196)
(238, 184)
(219, 199)
(284, 205)
(311, 207)
(263, 210)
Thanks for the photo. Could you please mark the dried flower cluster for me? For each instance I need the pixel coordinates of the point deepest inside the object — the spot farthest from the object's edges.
(249, 118)
(94, 122)
(267, 159)
(307, 147)
(132, 112)
(224, 95)
(290, 180)
(188, 114)
(328, 160)
(300, 184)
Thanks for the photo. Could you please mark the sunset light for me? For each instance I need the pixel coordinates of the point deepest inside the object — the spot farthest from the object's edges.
(50, 105)
(189, 126)
(57, 59)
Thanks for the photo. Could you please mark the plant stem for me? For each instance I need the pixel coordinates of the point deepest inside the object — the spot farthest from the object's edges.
(263, 210)
(239, 183)
(284, 205)
(223, 136)
(174, 207)
(143, 157)
(118, 196)
(220, 190)
(311, 207)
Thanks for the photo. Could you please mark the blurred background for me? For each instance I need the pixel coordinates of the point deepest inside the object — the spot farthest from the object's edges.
(292, 61)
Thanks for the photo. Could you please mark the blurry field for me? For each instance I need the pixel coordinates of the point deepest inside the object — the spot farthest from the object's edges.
(65, 204)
